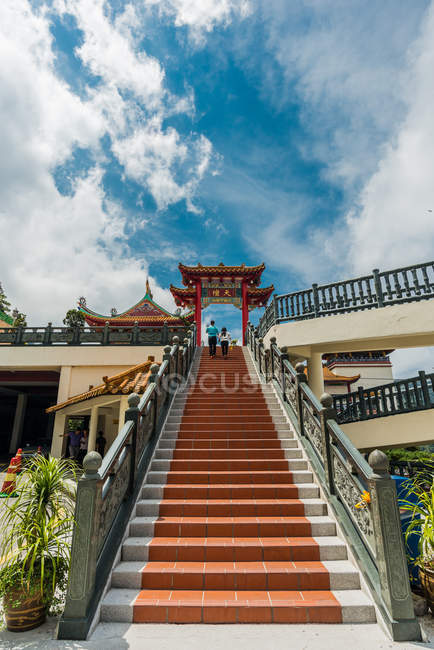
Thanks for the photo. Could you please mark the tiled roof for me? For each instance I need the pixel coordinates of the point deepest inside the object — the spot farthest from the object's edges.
(330, 377)
(8, 320)
(220, 269)
(133, 380)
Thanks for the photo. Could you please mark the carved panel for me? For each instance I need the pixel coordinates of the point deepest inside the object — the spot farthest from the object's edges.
(312, 429)
(143, 432)
(113, 499)
(350, 493)
(291, 391)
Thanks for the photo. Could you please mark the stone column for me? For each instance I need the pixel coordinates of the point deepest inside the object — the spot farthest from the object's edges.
(315, 375)
(93, 426)
(17, 428)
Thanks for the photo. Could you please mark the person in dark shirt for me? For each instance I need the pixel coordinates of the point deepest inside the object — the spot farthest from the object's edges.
(100, 443)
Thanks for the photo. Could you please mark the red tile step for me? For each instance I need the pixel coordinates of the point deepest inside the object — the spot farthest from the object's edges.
(235, 575)
(232, 526)
(234, 491)
(231, 508)
(224, 478)
(212, 606)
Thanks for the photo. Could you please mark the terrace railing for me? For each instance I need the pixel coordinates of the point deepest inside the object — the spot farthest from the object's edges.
(402, 396)
(379, 289)
(106, 335)
(373, 532)
(108, 489)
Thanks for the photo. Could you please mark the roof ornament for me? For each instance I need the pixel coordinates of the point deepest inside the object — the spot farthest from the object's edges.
(82, 301)
(148, 289)
(113, 311)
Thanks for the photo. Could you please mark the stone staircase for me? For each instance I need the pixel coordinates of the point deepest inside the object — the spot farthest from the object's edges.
(230, 527)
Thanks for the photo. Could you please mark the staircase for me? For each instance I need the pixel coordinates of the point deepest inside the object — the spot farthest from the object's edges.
(230, 527)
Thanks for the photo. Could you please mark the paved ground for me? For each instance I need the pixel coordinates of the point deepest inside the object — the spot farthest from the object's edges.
(118, 636)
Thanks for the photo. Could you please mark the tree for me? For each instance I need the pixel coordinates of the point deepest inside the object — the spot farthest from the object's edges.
(19, 318)
(74, 318)
(5, 305)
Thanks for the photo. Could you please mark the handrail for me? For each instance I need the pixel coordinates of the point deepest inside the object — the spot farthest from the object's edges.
(104, 335)
(379, 289)
(109, 487)
(373, 532)
(394, 398)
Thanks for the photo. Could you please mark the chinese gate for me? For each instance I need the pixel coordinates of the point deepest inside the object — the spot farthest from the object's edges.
(234, 285)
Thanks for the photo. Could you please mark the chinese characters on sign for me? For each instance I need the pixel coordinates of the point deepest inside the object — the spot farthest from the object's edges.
(221, 293)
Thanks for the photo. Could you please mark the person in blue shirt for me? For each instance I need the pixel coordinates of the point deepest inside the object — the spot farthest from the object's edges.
(212, 332)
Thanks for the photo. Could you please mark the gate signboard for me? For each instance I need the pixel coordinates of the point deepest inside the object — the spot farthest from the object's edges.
(221, 293)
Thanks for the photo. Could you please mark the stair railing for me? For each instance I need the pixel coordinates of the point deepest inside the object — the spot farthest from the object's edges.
(361, 493)
(109, 487)
(394, 398)
(379, 289)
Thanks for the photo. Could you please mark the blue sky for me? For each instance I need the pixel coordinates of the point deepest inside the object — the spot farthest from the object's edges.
(138, 134)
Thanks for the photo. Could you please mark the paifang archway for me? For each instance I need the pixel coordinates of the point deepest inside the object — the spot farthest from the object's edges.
(221, 284)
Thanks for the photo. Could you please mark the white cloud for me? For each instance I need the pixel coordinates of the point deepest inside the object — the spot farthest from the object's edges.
(55, 247)
(201, 17)
(394, 226)
(408, 362)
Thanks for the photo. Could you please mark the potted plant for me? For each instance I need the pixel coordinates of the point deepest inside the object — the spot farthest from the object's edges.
(35, 545)
(420, 503)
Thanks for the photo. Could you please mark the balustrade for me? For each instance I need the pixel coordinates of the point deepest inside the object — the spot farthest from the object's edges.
(108, 489)
(371, 525)
(381, 288)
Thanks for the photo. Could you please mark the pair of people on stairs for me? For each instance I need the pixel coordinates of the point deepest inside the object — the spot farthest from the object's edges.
(224, 337)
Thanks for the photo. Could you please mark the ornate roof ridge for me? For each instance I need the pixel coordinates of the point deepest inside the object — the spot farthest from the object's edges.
(114, 384)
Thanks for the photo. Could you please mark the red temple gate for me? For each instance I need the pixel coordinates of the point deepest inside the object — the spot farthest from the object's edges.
(234, 285)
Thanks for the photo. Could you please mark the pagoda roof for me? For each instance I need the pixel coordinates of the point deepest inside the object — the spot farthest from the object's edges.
(133, 380)
(221, 270)
(146, 312)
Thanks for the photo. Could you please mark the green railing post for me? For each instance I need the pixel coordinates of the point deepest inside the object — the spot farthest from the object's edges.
(106, 334)
(135, 334)
(175, 341)
(378, 287)
(316, 308)
(301, 379)
(424, 387)
(47, 334)
(84, 551)
(153, 379)
(327, 413)
(283, 357)
(260, 349)
(391, 560)
(273, 342)
(133, 413)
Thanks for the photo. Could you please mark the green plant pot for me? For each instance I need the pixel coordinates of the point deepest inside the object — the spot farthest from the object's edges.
(427, 581)
(30, 612)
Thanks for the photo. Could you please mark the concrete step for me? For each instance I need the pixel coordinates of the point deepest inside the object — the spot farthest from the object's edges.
(273, 491)
(230, 508)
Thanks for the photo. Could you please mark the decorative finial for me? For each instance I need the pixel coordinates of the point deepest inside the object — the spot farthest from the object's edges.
(113, 311)
(148, 289)
(82, 301)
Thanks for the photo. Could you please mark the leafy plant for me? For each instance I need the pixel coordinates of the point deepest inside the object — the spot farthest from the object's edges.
(409, 454)
(420, 503)
(74, 318)
(37, 527)
(19, 318)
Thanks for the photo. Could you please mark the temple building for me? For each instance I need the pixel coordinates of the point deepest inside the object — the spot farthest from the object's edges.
(145, 313)
(367, 369)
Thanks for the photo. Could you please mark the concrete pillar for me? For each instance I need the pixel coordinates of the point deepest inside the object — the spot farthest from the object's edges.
(315, 376)
(17, 428)
(64, 383)
(93, 426)
(58, 431)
